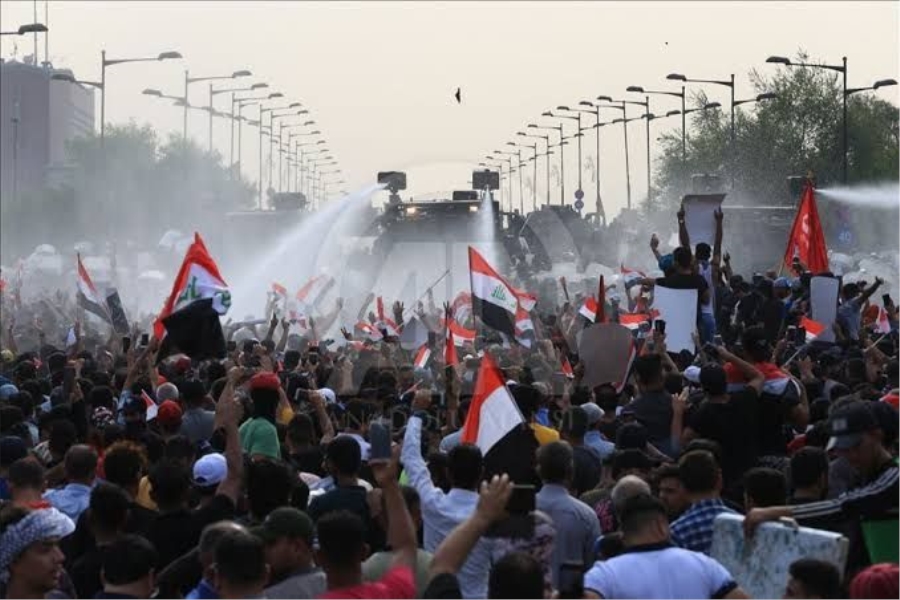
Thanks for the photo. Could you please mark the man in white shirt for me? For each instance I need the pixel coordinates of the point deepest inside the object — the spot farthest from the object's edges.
(651, 567)
(442, 512)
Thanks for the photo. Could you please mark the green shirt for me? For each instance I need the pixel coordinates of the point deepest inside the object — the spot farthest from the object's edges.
(259, 436)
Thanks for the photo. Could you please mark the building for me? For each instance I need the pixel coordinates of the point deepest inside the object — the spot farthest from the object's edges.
(37, 117)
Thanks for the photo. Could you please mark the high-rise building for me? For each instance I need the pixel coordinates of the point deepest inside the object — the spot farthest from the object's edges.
(37, 117)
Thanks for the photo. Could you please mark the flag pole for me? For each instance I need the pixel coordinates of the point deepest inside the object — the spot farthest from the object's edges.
(428, 289)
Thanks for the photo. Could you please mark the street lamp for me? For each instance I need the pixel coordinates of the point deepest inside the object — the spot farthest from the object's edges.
(231, 90)
(262, 112)
(241, 103)
(646, 105)
(105, 62)
(189, 80)
(505, 157)
(534, 148)
(729, 83)
(546, 139)
(29, 28)
(579, 193)
(517, 154)
(562, 162)
(681, 94)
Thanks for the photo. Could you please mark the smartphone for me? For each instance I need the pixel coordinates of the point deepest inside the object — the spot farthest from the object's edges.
(660, 326)
(717, 340)
(145, 340)
(231, 346)
(68, 382)
(571, 580)
(886, 300)
(380, 438)
(791, 334)
(126, 344)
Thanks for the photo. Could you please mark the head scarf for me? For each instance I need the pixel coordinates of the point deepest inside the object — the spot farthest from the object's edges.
(38, 525)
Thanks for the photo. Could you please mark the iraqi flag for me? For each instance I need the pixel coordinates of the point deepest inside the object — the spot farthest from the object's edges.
(630, 278)
(88, 297)
(526, 300)
(494, 300)
(451, 358)
(189, 321)
(279, 290)
(493, 412)
(524, 327)
(461, 335)
(807, 240)
(368, 330)
(150, 405)
(496, 426)
(422, 357)
(813, 328)
(567, 368)
(633, 321)
(588, 310)
(462, 306)
(777, 382)
(312, 291)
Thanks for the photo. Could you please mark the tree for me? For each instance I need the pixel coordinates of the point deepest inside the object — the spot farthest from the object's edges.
(129, 190)
(799, 130)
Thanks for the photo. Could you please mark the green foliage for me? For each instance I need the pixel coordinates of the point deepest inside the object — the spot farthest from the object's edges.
(131, 189)
(798, 131)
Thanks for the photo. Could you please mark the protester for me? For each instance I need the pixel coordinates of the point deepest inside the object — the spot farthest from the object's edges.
(253, 468)
(811, 578)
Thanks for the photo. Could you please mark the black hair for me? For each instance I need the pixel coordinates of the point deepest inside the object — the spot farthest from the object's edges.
(631, 436)
(808, 465)
(63, 436)
(124, 463)
(27, 473)
(766, 487)
(556, 462)
(81, 463)
(648, 369)
(192, 391)
(516, 575)
(240, 558)
(756, 344)
(606, 397)
(711, 446)
(171, 482)
(291, 360)
(128, 559)
(25, 401)
(625, 460)
(341, 535)
(180, 447)
(713, 380)
(344, 454)
(10, 416)
(301, 430)
(527, 399)
(820, 578)
(265, 403)
(699, 471)
(109, 507)
(703, 251)
(682, 257)
(102, 395)
(269, 485)
(634, 513)
(575, 423)
(465, 464)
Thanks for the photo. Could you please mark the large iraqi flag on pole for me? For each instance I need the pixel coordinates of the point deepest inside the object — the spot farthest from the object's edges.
(88, 297)
(189, 321)
(494, 300)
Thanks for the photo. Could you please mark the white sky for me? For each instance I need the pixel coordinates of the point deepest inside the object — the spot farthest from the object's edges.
(378, 77)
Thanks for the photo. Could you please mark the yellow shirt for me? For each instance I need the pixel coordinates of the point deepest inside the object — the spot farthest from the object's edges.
(544, 435)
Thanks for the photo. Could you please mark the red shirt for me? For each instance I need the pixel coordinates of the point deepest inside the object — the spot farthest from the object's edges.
(398, 582)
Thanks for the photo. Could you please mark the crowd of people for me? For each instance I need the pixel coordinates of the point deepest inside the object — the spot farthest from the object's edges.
(264, 473)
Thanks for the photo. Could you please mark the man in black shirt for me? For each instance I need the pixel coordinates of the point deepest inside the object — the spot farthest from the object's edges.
(855, 434)
(684, 277)
(653, 407)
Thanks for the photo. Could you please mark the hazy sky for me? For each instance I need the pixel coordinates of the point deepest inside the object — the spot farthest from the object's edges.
(378, 77)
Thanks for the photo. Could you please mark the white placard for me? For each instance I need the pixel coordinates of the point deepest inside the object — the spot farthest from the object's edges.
(678, 308)
(823, 297)
(699, 217)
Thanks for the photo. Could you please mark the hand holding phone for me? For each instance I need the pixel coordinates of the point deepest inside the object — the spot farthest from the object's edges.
(380, 439)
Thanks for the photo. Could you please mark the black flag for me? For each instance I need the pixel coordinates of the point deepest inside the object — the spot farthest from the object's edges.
(116, 312)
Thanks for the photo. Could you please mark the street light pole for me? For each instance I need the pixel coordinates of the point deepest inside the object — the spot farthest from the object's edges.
(562, 160)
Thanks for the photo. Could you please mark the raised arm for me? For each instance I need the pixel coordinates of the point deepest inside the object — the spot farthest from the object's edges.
(411, 457)
(401, 533)
(752, 374)
(683, 237)
(867, 293)
(228, 413)
(717, 247)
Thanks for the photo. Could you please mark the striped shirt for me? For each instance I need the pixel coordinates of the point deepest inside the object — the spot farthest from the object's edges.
(876, 498)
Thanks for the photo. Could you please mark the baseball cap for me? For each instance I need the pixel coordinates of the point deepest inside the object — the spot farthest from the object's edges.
(849, 424)
(210, 470)
(286, 522)
(168, 413)
(7, 391)
(594, 412)
(265, 381)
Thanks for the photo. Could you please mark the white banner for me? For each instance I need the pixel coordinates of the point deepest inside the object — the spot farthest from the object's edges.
(678, 308)
(699, 217)
(823, 297)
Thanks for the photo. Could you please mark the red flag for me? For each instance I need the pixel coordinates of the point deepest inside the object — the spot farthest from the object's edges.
(807, 240)
(450, 356)
(601, 302)
(279, 290)
(422, 356)
(567, 368)
(493, 412)
(589, 309)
